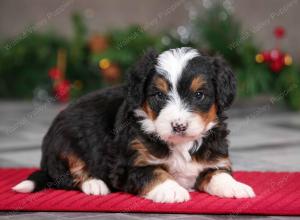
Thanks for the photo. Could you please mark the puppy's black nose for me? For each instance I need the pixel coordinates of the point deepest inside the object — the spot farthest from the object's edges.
(179, 127)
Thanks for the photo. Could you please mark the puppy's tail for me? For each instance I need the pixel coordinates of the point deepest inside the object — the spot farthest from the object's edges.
(37, 181)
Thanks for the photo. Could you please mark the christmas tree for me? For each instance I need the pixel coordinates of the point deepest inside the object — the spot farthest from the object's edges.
(66, 68)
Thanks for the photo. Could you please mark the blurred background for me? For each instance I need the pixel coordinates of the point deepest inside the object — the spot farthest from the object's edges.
(53, 52)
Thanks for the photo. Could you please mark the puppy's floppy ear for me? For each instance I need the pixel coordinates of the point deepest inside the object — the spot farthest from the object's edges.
(138, 76)
(225, 83)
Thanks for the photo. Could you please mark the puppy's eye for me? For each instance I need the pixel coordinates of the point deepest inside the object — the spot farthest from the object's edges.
(199, 95)
(159, 95)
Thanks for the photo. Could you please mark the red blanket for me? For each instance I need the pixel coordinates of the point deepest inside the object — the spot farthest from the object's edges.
(277, 194)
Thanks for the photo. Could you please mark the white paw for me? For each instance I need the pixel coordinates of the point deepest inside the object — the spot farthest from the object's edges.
(224, 185)
(95, 187)
(25, 186)
(168, 192)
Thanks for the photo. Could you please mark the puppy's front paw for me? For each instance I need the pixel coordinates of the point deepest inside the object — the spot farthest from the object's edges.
(94, 187)
(168, 192)
(223, 185)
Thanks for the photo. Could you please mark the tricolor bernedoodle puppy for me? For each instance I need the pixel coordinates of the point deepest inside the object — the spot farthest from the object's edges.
(160, 136)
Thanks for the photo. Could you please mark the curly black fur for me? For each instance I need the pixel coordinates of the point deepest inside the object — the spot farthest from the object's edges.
(225, 83)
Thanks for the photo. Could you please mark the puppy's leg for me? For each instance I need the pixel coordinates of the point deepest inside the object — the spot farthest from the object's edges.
(221, 183)
(94, 186)
(156, 184)
(82, 178)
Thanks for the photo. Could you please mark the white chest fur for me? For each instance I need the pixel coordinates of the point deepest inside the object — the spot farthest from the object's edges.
(182, 168)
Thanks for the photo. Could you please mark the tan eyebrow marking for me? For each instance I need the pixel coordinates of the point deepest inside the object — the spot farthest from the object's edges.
(146, 107)
(197, 83)
(162, 84)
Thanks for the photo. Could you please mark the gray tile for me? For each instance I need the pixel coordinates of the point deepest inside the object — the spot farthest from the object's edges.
(30, 158)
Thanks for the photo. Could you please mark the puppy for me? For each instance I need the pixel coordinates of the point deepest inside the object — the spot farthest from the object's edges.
(160, 136)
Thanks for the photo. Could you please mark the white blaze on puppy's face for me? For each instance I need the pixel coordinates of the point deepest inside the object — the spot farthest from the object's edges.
(172, 62)
(176, 122)
(176, 112)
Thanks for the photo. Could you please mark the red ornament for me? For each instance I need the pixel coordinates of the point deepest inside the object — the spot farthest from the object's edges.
(275, 58)
(279, 32)
(266, 56)
(276, 66)
(62, 91)
(55, 73)
(275, 55)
